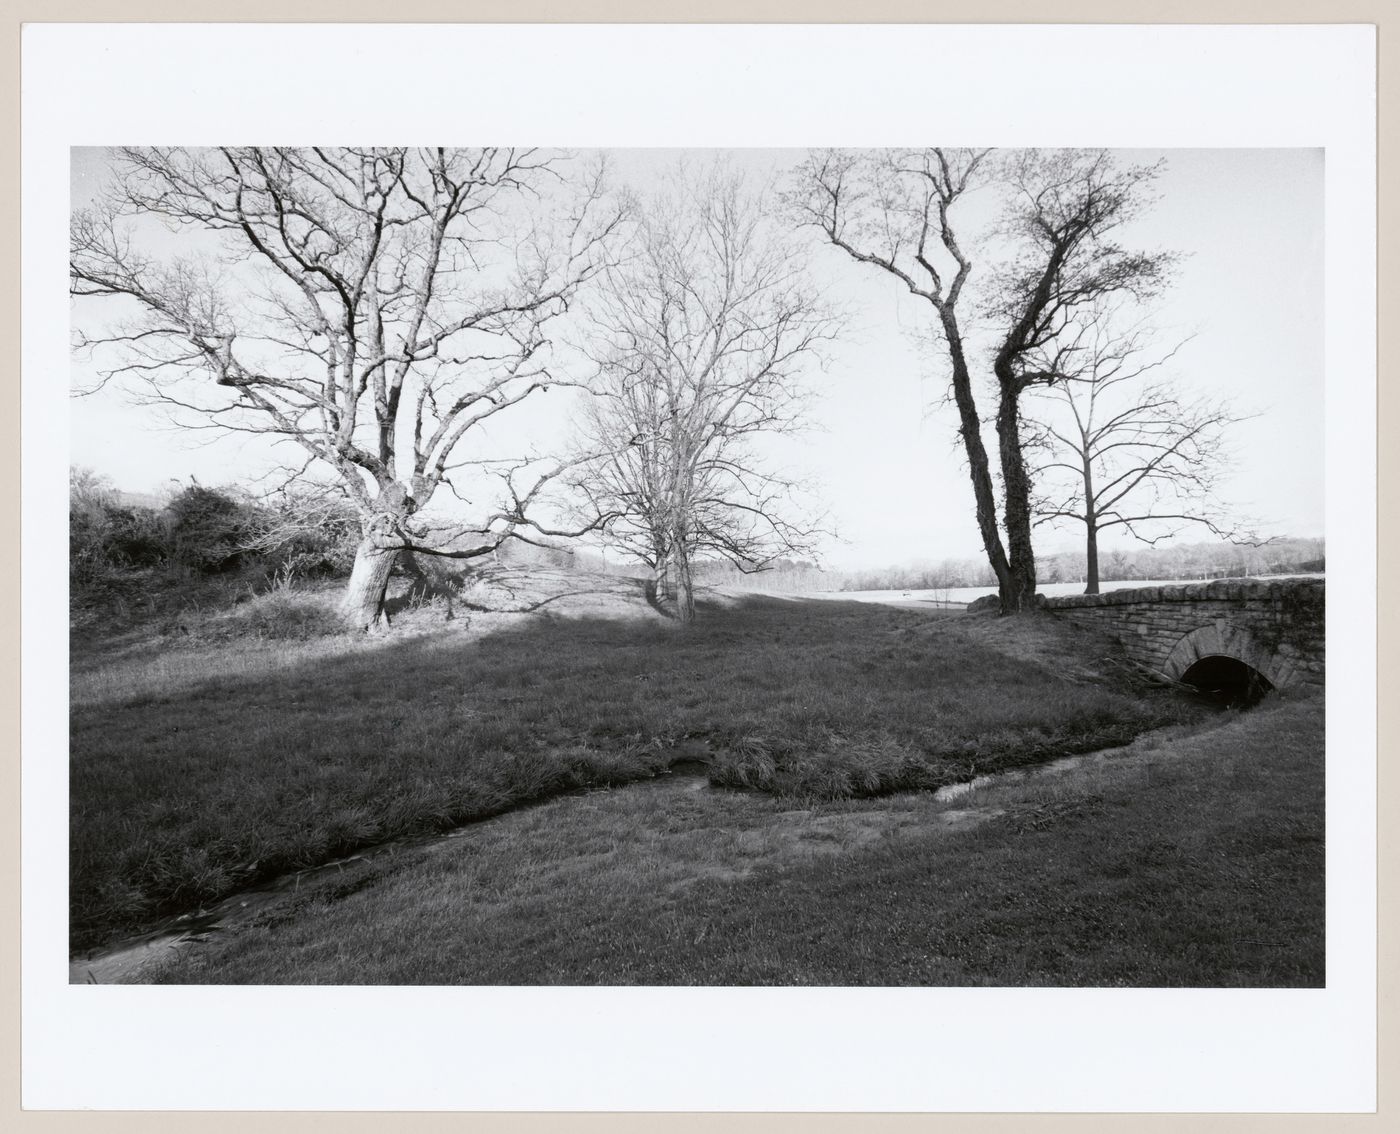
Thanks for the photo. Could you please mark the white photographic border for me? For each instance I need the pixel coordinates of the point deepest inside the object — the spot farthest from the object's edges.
(709, 1048)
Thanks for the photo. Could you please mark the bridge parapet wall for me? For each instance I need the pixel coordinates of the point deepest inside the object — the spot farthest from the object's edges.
(1278, 626)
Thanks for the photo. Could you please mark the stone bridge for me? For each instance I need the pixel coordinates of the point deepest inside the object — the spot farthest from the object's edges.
(1199, 632)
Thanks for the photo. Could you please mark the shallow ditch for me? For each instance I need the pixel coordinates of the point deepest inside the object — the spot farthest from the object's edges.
(126, 960)
(133, 959)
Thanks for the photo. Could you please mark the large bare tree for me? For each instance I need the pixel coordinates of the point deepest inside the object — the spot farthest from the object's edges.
(374, 307)
(1052, 253)
(1123, 447)
(701, 341)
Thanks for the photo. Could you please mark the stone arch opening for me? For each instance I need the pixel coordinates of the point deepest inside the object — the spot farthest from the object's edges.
(1228, 681)
(1220, 639)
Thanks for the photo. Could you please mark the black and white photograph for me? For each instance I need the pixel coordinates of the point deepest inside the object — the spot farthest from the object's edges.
(500, 566)
(511, 564)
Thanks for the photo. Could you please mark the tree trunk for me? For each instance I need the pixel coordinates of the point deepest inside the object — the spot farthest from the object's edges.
(363, 604)
(685, 594)
(1018, 590)
(1091, 557)
(979, 468)
(1091, 523)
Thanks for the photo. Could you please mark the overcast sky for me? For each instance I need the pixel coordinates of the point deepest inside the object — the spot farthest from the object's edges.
(1250, 289)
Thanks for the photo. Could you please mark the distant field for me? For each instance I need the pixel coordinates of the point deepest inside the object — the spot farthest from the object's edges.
(963, 595)
(202, 761)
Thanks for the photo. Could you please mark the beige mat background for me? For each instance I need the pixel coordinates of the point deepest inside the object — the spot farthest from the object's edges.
(1380, 12)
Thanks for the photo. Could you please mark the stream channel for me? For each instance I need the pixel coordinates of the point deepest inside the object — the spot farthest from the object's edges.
(133, 960)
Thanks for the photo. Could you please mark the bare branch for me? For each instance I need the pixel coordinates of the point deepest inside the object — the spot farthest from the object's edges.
(344, 298)
(701, 344)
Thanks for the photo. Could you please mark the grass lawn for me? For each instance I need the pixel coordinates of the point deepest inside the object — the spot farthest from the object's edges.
(1187, 860)
(201, 763)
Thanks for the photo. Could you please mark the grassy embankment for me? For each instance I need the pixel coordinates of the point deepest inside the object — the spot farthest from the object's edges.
(1195, 860)
(203, 760)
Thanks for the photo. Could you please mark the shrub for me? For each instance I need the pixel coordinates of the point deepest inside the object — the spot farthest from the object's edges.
(306, 534)
(105, 536)
(89, 498)
(210, 530)
(140, 537)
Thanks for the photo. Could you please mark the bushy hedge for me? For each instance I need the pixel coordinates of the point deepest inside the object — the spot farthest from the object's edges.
(211, 531)
(105, 535)
(207, 531)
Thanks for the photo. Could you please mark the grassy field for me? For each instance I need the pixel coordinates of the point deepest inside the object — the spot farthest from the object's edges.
(1189, 859)
(203, 760)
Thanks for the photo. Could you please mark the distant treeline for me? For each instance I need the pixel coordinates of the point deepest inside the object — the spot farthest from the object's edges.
(1211, 560)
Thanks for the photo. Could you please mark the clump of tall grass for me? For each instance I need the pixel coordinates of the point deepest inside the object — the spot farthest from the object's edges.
(837, 767)
(284, 613)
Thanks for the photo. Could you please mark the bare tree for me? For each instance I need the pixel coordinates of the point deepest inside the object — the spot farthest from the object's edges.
(701, 341)
(1053, 253)
(1124, 449)
(374, 307)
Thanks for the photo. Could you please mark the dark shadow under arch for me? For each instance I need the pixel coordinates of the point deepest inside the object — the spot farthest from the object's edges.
(1227, 681)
